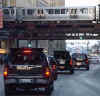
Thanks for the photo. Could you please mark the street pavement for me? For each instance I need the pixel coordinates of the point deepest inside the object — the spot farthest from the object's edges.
(82, 83)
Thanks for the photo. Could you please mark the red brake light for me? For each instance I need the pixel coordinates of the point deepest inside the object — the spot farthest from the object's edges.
(70, 61)
(47, 72)
(5, 73)
(27, 51)
(87, 61)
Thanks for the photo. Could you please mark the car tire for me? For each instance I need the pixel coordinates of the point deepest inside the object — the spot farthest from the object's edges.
(72, 71)
(49, 89)
(9, 91)
(55, 77)
(6, 92)
(87, 68)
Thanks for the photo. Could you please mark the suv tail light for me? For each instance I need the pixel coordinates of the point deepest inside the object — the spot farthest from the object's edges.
(27, 51)
(47, 72)
(5, 73)
(87, 61)
(70, 61)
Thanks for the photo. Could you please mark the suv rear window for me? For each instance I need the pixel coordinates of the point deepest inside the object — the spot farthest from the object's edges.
(79, 56)
(27, 57)
(61, 55)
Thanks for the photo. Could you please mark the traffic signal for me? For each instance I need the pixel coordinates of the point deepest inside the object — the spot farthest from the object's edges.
(29, 45)
(81, 38)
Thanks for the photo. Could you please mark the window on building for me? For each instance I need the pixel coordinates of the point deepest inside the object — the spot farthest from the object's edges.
(57, 11)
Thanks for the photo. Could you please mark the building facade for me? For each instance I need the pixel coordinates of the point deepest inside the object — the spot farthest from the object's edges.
(26, 3)
(57, 3)
(33, 3)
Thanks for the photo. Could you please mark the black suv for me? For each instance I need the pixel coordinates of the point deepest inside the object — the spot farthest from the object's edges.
(27, 69)
(64, 61)
(80, 60)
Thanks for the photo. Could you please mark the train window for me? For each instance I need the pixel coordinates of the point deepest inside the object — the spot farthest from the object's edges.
(57, 11)
(85, 11)
(6, 11)
(30, 11)
(82, 10)
(73, 11)
(51, 11)
(63, 11)
(23, 12)
(40, 11)
(12, 11)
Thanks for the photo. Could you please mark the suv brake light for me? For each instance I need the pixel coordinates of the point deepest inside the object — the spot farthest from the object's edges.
(47, 73)
(87, 61)
(70, 61)
(5, 73)
(27, 51)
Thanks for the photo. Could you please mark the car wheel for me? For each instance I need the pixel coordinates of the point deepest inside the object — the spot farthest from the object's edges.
(49, 89)
(9, 91)
(87, 68)
(71, 71)
(55, 77)
(6, 92)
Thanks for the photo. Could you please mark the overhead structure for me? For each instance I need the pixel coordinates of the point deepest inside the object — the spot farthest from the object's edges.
(50, 14)
(56, 23)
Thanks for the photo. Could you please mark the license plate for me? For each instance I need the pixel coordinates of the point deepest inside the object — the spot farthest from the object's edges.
(25, 80)
(62, 67)
(78, 63)
(19, 67)
(27, 68)
(62, 61)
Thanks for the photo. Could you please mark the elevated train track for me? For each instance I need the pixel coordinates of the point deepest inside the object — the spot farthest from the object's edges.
(51, 23)
(49, 14)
